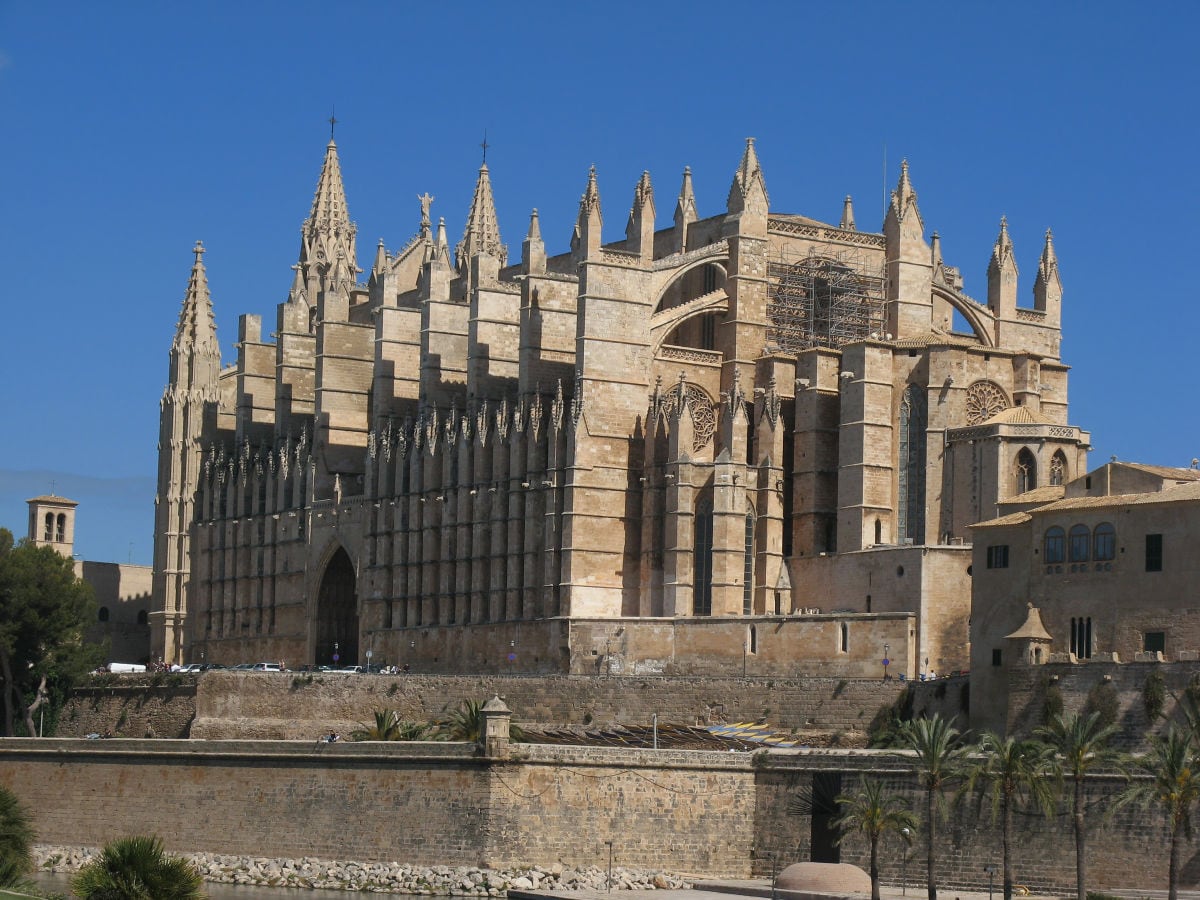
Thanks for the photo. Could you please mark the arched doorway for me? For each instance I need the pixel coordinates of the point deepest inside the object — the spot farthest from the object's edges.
(337, 614)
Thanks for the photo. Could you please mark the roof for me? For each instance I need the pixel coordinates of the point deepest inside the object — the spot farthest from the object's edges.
(53, 498)
(1046, 494)
(1182, 493)
(1169, 472)
(1032, 629)
(1018, 415)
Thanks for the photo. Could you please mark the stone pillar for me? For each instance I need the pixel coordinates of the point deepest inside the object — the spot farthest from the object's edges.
(497, 720)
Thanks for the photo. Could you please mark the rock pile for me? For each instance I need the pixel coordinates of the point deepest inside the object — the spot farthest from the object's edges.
(394, 878)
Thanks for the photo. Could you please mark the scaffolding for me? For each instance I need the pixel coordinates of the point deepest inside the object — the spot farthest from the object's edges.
(824, 300)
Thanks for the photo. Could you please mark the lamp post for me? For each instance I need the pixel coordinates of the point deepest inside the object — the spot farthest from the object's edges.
(887, 661)
(336, 655)
(904, 864)
(609, 865)
(991, 874)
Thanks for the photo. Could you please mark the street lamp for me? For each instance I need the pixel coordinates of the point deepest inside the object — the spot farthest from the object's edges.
(904, 864)
(991, 874)
(336, 656)
(887, 661)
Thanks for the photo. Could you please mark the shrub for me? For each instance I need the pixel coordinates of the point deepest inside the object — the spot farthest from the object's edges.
(16, 838)
(1102, 699)
(1154, 695)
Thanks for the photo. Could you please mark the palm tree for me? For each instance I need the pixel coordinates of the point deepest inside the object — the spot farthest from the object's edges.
(16, 837)
(390, 727)
(940, 756)
(1172, 767)
(1081, 744)
(873, 812)
(1012, 772)
(466, 723)
(137, 868)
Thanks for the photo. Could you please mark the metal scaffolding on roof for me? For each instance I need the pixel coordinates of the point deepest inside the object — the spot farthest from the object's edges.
(825, 300)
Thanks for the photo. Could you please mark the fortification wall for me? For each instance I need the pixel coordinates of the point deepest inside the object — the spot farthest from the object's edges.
(703, 813)
(287, 706)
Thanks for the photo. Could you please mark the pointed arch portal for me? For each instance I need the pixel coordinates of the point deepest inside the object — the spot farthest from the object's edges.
(337, 613)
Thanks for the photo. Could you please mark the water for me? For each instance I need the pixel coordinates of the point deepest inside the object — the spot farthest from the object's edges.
(61, 883)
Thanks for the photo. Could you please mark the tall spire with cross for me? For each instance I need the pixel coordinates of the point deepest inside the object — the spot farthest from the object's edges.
(328, 231)
(482, 234)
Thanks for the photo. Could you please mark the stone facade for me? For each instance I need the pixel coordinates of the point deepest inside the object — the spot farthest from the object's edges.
(754, 414)
(1108, 570)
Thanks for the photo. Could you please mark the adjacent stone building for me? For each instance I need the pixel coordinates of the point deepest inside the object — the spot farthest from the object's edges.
(752, 441)
(1104, 572)
(121, 590)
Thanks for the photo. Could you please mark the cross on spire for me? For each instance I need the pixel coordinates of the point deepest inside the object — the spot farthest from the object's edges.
(332, 123)
(485, 146)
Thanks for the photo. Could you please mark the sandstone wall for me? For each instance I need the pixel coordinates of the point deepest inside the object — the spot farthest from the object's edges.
(702, 813)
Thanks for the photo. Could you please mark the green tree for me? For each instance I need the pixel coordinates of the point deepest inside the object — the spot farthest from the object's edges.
(1081, 744)
(43, 611)
(1170, 780)
(939, 760)
(137, 868)
(16, 838)
(1011, 773)
(873, 812)
(390, 727)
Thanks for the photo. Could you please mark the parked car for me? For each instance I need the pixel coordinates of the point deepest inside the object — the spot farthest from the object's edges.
(266, 667)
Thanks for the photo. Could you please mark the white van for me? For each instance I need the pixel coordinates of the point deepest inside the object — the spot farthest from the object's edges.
(125, 668)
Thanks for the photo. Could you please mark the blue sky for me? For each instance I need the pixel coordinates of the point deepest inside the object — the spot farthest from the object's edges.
(133, 129)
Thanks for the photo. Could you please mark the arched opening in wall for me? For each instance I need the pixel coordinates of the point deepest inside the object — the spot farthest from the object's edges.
(878, 531)
(337, 613)
(49, 533)
(102, 615)
(844, 638)
(143, 617)
(1026, 471)
(702, 567)
(748, 568)
(692, 285)
(752, 639)
(61, 533)
(1058, 468)
(697, 333)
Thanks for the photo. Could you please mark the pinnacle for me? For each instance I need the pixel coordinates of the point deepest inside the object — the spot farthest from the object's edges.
(197, 328)
(535, 230)
(329, 202)
(847, 222)
(482, 233)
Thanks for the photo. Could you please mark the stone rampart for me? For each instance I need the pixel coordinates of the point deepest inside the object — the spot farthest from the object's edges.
(694, 812)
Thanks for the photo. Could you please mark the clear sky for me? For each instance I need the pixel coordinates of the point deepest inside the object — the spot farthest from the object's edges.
(132, 129)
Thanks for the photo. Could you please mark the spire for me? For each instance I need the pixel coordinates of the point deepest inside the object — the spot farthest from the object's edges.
(197, 330)
(441, 246)
(482, 234)
(935, 250)
(639, 232)
(586, 239)
(533, 249)
(380, 259)
(685, 206)
(1047, 289)
(904, 198)
(1002, 274)
(328, 228)
(748, 182)
(847, 223)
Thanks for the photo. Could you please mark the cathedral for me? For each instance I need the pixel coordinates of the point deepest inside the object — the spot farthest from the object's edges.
(750, 443)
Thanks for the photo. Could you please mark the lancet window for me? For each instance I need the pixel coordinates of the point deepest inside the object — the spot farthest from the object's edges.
(913, 423)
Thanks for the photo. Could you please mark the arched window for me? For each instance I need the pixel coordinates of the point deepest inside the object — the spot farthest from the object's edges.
(102, 615)
(49, 527)
(1104, 542)
(1056, 545)
(911, 505)
(703, 535)
(143, 618)
(1081, 637)
(1058, 468)
(753, 642)
(844, 638)
(748, 569)
(1026, 471)
(878, 531)
(62, 528)
(1080, 539)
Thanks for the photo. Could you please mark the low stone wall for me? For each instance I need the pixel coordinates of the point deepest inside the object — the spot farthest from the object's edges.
(141, 706)
(290, 706)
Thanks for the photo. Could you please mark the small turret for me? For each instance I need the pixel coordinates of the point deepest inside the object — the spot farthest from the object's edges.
(328, 230)
(533, 249)
(639, 232)
(1047, 289)
(685, 211)
(294, 313)
(748, 193)
(910, 275)
(585, 242)
(847, 222)
(1002, 275)
(196, 333)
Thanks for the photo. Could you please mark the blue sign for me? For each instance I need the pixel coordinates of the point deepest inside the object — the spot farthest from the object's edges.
(886, 662)
(336, 657)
